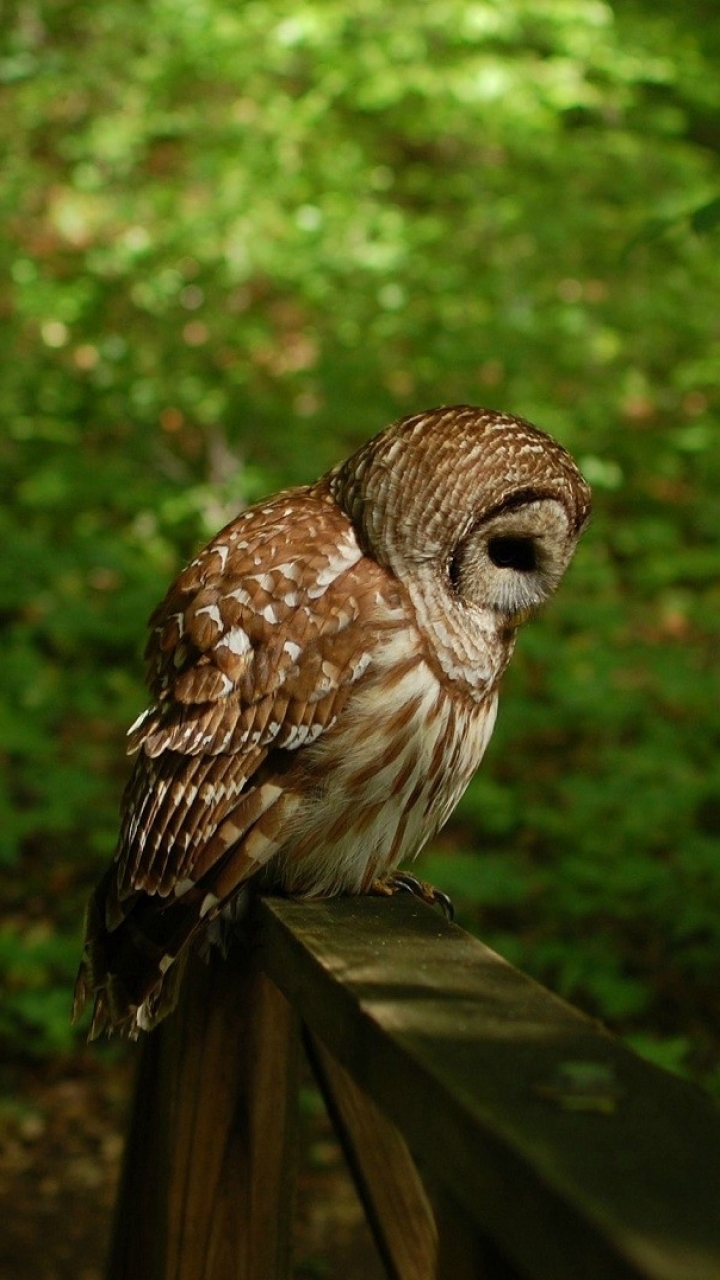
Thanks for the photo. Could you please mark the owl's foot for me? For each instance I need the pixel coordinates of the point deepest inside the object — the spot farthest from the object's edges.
(401, 882)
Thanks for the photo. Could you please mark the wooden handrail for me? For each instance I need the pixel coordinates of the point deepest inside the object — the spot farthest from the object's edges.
(541, 1147)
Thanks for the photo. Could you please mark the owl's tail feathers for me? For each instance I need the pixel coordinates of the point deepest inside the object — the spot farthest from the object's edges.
(113, 1010)
(136, 938)
(132, 969)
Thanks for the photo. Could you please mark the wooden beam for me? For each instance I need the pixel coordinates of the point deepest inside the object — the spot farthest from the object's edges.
(572, 1154)
(207, 1185)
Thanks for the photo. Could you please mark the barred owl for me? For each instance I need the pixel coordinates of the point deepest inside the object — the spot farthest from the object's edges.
(324, 679)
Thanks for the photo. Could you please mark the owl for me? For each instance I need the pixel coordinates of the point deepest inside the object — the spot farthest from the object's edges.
(324, 680)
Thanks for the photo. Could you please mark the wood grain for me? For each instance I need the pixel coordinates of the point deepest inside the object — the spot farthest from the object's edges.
(207, 1185)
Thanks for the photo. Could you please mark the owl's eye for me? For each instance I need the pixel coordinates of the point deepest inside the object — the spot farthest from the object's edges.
(513, 553)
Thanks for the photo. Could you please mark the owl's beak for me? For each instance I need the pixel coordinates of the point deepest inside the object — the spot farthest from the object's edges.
(521, 616)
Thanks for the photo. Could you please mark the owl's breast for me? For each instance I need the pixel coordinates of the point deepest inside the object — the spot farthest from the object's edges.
(383, 780)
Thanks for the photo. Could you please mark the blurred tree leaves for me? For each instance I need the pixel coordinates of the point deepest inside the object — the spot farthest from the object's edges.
(240, 239)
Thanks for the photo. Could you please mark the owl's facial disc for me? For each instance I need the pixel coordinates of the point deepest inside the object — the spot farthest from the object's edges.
(512, 561)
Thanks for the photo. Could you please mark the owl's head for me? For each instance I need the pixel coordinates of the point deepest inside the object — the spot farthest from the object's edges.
(482, 501)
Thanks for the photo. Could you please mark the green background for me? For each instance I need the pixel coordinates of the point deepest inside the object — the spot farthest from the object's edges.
(237, 239)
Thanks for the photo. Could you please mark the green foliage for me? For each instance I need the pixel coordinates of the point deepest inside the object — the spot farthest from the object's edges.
(239, 239)
(36, 965)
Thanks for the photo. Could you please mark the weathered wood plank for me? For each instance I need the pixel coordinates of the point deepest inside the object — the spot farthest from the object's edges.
(573, 1155)
(207, 1185)
(387, 1181)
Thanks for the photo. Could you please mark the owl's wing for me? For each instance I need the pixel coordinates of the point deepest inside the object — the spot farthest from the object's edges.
(252, 655)
(255, 647)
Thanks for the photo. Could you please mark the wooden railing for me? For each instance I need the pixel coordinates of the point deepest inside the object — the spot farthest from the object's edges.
(541, 1147)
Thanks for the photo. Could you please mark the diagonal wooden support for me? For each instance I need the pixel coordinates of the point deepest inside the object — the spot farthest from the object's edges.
(383, 1170)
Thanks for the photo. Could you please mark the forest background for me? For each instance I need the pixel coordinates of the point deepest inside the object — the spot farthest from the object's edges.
(237, 239)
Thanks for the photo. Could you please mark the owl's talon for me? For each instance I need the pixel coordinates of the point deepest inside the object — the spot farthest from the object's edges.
(444, 902)
(402, 882)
